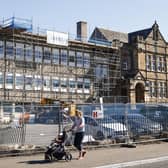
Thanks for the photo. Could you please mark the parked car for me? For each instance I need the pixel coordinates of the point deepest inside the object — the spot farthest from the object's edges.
(114, 128)
(100, 129)
(138, 124)
(93, 128)
(157, 113)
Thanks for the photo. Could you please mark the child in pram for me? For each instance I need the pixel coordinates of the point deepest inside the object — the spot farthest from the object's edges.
(56, 150)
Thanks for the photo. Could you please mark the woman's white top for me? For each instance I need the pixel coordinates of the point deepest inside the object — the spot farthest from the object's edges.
(78, 121)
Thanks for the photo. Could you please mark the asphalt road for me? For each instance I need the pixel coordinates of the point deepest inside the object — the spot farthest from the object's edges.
(163, 164)
(95, 158)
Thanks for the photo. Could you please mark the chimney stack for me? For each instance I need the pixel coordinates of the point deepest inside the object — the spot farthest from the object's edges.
(82, 31)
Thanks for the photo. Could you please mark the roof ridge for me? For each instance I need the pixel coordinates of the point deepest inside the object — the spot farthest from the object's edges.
(141, 30)
(111, 30)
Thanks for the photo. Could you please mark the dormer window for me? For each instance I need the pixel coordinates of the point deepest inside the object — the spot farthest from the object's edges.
(125, 65)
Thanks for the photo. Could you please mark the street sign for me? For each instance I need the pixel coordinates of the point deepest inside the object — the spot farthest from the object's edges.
(97, 114)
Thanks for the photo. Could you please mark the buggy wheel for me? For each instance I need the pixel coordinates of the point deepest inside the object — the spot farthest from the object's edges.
(68, 156)
(48, 157)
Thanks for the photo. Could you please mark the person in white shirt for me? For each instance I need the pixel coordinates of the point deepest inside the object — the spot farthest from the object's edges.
(79, 126)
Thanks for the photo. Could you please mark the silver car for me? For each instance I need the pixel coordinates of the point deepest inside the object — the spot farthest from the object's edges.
(101, 129)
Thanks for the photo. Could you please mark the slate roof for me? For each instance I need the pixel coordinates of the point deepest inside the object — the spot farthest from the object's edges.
(109, 35)
(143, 33)
(112, 35)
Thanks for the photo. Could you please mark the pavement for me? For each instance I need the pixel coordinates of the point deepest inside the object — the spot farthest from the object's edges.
(95, 157)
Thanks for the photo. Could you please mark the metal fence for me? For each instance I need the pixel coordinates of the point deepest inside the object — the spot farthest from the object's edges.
(12, 135)
(116, 123)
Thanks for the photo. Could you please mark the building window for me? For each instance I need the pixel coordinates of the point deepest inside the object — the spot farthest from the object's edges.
(38, 54)
(63, 57)
(72, 58)
(47, 55)
(86, 60)
(46, 83)
(29, 53)
(19, 81)
(148, 62)
(19, 51)
(164, 65)
(9, 50)
(162, 89)
(9, 80)
(37, 82)
(1, 80)
(55, 56)
(153, 88)
(79, 59)
(28, 82)
(153, 63)
(63, 83)
(124, 65)
(1, 49)
(161, 64)
(72, 84)
(55, 84)
(101, 71)
(87, 83)
(80, 83)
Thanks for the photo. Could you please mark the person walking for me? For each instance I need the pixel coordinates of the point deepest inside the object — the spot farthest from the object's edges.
(79, 128)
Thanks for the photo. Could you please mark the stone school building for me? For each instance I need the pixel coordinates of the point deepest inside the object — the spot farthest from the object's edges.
(120, 67)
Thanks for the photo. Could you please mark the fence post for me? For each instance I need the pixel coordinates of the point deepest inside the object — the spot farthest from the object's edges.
(23, 127)
(128, 142)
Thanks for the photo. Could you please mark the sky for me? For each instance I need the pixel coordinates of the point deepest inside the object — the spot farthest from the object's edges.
(117, 15)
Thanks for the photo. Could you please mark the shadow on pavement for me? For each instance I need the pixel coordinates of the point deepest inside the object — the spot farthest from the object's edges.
(36, 162)
(45, 161)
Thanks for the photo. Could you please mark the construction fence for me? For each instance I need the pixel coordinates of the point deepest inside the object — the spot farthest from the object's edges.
(112, 123)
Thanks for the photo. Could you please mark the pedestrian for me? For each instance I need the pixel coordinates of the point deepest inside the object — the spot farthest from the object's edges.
(79, 130)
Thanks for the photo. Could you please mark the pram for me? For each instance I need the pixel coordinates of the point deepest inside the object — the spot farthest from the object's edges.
(56, 150)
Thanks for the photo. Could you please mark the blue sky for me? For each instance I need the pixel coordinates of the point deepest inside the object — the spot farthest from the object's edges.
(62, 15)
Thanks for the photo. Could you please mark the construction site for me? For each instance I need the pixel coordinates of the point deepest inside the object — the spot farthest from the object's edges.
(36, 66)
(110, 77)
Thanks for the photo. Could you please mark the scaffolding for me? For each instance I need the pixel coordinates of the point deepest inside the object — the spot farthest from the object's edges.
(78, 72)
(17, 23)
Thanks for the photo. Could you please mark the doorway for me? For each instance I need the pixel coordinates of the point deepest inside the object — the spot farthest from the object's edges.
(139, 91)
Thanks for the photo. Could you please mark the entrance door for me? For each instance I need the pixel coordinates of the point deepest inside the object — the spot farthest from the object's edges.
(139, 93)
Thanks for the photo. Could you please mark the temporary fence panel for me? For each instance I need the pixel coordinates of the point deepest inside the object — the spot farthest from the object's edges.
(9, 135)
(116, 122)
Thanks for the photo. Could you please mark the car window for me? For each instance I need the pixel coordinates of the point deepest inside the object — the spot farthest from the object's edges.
(90, 121)
(107, 120)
